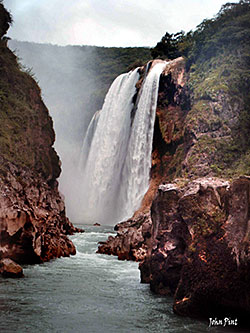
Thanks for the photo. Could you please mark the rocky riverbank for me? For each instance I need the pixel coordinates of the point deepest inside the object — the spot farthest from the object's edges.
(191, 233)
(195, 246)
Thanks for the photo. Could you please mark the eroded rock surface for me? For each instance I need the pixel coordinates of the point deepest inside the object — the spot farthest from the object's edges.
(8, 268)
(200, 247)
(33, 223)
(131, 241)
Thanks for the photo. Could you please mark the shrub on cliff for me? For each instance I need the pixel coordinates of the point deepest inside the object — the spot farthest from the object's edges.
(5, 20)
(26, 132)
(168, 47)
(217, 61)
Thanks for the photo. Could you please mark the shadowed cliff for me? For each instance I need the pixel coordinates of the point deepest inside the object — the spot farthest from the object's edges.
(192, 232)
(33, 224)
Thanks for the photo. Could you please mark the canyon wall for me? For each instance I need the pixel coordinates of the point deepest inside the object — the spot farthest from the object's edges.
(191, 234)
(33, 224)
(200, 247)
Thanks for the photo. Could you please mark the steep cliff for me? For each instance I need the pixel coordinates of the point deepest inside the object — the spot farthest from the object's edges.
(33, 224)
(200, 247)
(192, 232)
(172, 109)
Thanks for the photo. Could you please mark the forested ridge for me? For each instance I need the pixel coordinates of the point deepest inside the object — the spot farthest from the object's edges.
(217, 57)
(217, 65)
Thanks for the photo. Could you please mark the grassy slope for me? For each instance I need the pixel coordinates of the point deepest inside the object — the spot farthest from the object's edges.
(26, 131)
(218, 78)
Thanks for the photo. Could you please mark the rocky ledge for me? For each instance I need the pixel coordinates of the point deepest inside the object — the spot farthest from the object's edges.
(131, 241)
(198, 246)
(33, 225)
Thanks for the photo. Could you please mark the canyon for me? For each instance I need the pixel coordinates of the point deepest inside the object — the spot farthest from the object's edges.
(191, 232)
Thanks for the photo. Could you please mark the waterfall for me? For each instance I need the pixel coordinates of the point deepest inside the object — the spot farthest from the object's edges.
(116, 153)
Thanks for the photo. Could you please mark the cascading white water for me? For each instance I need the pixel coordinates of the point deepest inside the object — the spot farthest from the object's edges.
(116, 154)
(88, 140)
(135, 175)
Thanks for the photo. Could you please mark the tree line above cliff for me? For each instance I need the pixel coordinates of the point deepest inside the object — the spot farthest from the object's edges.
(230, 27)
(217, 60)
(217, 57)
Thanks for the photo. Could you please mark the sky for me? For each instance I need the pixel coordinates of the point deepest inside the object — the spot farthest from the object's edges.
(118, 23)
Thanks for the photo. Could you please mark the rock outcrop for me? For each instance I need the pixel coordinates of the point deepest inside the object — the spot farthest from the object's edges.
(33, 224)
(131, 241)
(8, 268)
(200, 247)
(195, 245)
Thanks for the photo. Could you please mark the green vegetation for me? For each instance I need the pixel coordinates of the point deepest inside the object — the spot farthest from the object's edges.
(218, 65)
(26, 132)
(168, 47)
(75, 79)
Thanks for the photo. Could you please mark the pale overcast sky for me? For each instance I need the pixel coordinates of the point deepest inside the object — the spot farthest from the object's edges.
(105, 22)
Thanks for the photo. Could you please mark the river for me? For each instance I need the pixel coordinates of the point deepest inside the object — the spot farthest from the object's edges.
(87, 293)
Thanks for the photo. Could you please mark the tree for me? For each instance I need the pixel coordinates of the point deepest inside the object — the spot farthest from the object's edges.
(168, 47)
(5, 20)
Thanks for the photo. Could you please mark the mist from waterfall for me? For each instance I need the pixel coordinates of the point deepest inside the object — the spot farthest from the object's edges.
(116, 154)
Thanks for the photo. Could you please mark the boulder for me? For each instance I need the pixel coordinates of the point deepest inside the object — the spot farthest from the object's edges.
(131, 241)
(10, 269)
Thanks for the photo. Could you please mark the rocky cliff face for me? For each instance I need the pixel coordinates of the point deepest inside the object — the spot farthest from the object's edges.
(172, 108)
(200, 247)
(33, 224)
(191, 233)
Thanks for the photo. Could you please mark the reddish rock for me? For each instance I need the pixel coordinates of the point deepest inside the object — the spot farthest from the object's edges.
(10, 269)
(33, 224)
(131, 241)
(200, 247)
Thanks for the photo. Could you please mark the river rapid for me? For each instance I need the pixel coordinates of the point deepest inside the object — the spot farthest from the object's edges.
(87, 293)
